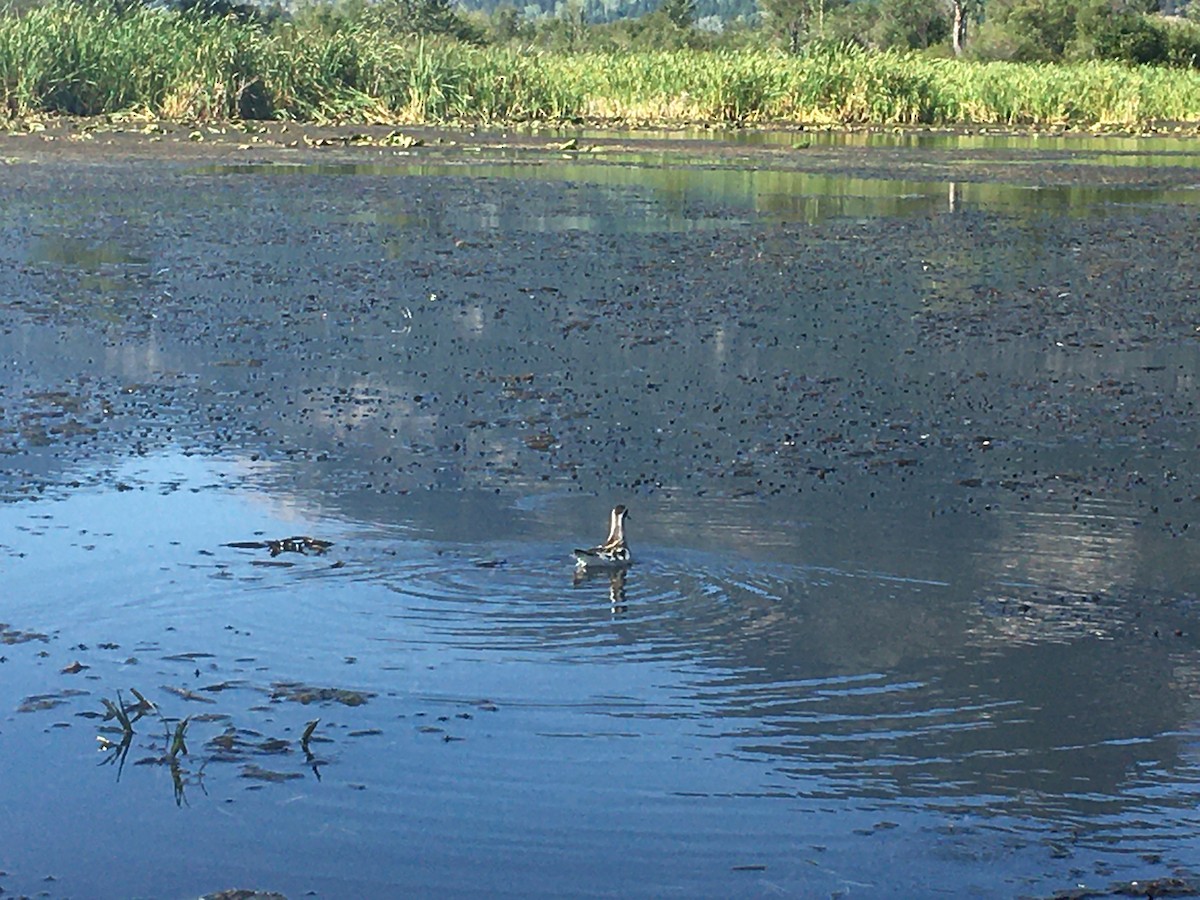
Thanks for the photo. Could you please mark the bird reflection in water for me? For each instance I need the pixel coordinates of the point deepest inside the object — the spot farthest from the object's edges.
(616, 584)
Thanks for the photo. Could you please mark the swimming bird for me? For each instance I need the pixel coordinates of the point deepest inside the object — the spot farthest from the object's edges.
(614, 552)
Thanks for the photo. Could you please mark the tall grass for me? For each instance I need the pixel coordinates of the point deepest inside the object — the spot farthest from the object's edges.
(88, 60)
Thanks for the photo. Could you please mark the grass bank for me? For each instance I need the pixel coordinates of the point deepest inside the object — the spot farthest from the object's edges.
(71, 59)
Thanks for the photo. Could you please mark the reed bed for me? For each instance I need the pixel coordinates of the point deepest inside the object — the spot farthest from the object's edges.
(82, 60)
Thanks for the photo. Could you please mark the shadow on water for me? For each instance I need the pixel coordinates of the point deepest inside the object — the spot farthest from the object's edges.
(913, 604)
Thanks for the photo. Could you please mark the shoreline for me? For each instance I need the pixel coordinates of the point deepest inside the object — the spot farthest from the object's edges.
(913, 153)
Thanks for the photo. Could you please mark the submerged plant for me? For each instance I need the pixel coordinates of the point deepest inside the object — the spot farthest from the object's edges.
(304, 738)
(177, 745)
(125, 715)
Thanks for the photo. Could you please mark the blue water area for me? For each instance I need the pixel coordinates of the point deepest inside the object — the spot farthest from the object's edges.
(738, 716)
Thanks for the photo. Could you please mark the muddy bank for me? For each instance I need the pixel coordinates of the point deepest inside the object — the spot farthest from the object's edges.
(1044, 158)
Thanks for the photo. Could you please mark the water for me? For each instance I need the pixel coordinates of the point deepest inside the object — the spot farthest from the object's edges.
(777, 193)
(913, 611)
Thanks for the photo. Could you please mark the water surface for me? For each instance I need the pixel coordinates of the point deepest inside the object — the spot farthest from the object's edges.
(913, 611)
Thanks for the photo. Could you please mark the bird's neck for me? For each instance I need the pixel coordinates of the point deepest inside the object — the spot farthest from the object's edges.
(616, 533)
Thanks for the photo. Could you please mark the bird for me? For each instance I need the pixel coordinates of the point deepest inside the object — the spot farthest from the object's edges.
(614, 552)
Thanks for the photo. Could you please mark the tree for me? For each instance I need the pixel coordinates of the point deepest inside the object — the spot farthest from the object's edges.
(797, 21)
(421, 17)
(508, 24)
(958, 26)
(567, 29)
(908, 24)
(1124, 31)
(220, 9)
(1029, 30)
(328, 17)
(681, 12)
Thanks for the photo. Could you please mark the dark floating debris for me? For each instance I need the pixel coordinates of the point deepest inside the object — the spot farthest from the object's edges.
(307, 736)
(223, 686)
(9, 635)
(1151, 888)
(542, 441)
(185, 694)
(300, 544)
(40, 702)
(258, 773)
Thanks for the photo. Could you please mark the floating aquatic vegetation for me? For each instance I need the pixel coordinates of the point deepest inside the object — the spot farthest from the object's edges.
(300, 544)
(40, 702)
(185, 694)
(359, 139)
(260, 774)
(235, 745)
(170, 747)
(306, 694)
(10, 635)
(542, 441)
(223, 686)
(227, 745)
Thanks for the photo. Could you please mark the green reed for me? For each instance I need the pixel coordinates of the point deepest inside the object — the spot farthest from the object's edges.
(87, 60)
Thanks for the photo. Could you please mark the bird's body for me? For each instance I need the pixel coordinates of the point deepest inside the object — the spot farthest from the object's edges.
(614, 552)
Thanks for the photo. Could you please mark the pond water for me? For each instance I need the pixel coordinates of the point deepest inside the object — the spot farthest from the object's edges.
(913, 610)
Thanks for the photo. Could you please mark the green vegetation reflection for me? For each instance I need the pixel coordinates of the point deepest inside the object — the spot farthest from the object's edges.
(780, 194)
